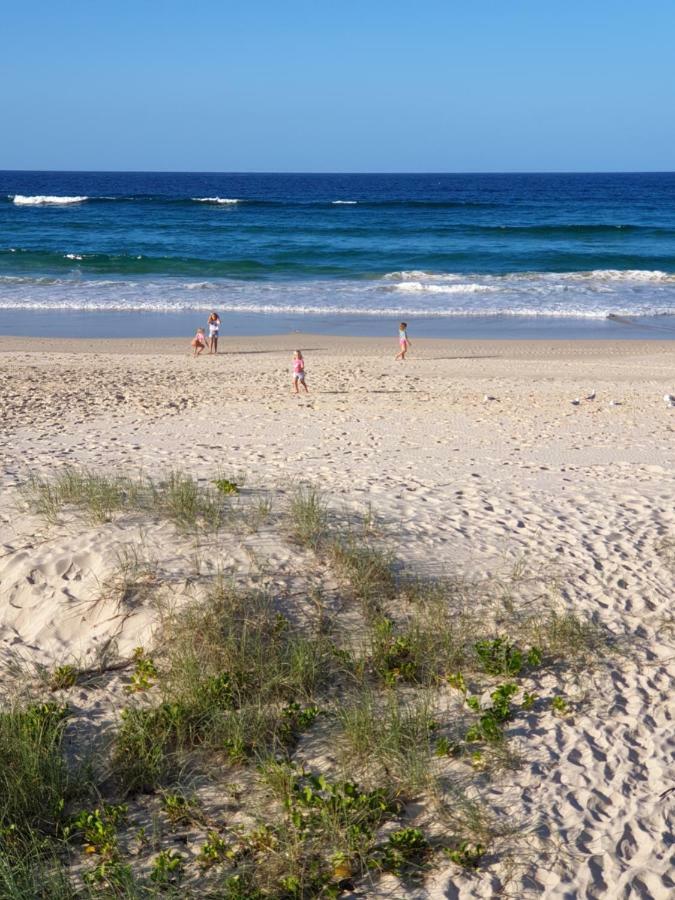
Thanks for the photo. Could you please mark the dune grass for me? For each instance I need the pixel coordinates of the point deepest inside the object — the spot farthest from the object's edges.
(234, 676)
(99, 497)
(414, 697)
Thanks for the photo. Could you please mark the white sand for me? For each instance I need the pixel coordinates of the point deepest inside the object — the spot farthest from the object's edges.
(460, 484)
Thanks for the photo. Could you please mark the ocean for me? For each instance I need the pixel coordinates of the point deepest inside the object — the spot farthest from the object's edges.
(98, 253)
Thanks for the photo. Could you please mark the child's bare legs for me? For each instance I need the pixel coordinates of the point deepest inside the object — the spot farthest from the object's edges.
(214, 344)
(402, 352)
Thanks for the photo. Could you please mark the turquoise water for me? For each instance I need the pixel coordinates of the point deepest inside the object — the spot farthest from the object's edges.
(332, 249)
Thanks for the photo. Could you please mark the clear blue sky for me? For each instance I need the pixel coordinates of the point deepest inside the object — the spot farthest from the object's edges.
(338, 85)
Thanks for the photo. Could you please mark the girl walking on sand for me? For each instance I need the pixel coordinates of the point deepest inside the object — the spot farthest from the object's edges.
(403, 341)
(214, 328)
(298, 372)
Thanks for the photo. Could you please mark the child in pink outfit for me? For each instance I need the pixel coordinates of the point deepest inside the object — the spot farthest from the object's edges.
(199, 342)
(299, 372)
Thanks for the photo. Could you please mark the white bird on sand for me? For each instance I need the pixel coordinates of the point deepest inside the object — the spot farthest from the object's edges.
(591, 396)
(615, 403)
(669, 399)
(575, 402)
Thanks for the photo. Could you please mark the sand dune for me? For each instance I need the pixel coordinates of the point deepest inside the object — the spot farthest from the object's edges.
(459, 485)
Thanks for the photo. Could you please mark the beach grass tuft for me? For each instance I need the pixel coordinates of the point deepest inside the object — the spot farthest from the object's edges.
(178, 497)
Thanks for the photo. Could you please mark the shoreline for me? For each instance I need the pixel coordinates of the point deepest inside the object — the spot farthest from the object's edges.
(330, 345)
(160, 325)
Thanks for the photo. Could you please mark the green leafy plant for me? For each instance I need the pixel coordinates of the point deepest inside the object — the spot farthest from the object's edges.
(241, 887)
(478, 759)
(144, 674)
(489, 726)
(111, 876)
(63, 677)
(98, 828)
(405, 849)
(167, 868)
(216, 691)
(456, 680)
(466, 854)
(560, 706)
(298, 718)
(394, 657)
(528, 700)
(225, 486)
(216, 850)
(179, 810)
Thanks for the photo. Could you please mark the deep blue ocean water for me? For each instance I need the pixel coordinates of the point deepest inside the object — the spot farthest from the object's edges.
(336, 249)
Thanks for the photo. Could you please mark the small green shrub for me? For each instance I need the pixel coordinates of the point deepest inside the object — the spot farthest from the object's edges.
(394, 656)
(179, 810)
(224, 486)
(404, 850)
(216, 850)
(467, 854)
(500, 657)
(144, 674)
(98, 829)
(560, 706)
(529, 700)
(456, 681)
(489, 726)
(63, 677)
(167, 868)
(111, 878)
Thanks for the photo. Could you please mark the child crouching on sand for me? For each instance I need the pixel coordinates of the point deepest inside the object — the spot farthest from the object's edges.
(403, 341)
(199, 342)
(299, 372)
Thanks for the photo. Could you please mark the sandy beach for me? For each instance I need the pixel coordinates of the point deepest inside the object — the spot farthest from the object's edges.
(461, 484)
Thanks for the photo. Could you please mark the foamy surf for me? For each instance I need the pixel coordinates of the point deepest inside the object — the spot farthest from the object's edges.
(45, 200)
(344, 202)
(444, 288)
(441, 295)
(225, 201)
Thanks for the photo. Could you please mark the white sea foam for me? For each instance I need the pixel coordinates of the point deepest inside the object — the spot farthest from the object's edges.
(222, 200)
(73, 256)
(444, 288)
(571, 295)
(45, 200)
(344, 202)
(594, 275)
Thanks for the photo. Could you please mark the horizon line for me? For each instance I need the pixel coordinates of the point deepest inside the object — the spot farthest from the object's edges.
(354, 172)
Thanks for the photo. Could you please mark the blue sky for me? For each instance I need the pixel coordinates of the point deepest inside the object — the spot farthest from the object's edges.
(338, 85)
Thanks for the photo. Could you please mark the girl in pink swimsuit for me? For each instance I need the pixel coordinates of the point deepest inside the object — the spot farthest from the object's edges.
(298, 372)
(403, 341)
(199, 342)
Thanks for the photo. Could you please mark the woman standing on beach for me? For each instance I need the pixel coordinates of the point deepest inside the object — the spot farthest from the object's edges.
(214, 328)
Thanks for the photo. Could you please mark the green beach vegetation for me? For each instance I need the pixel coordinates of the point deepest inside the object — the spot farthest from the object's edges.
(274, 747)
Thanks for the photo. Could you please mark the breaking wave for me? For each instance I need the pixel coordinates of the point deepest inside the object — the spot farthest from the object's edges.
(45, 200)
